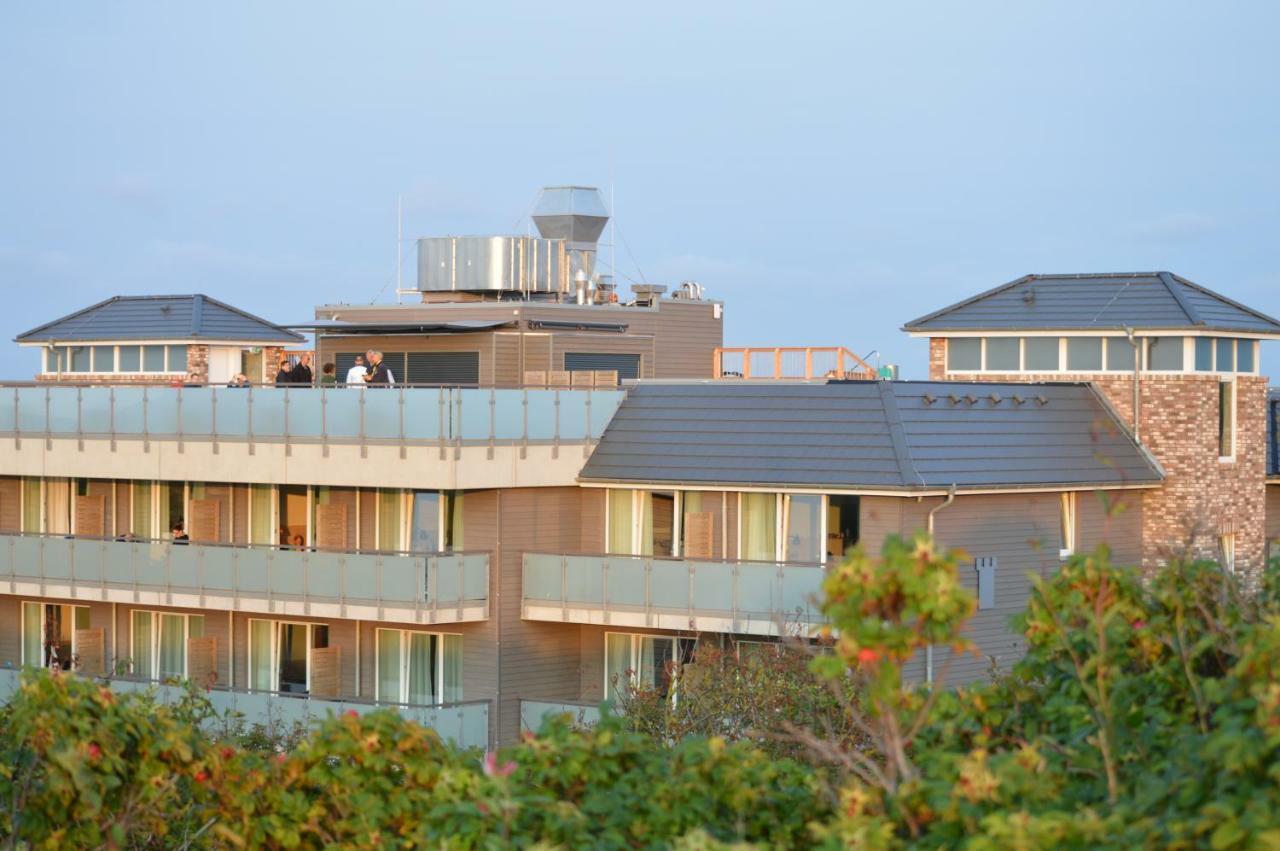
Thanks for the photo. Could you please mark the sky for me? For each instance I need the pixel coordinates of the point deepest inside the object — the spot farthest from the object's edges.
(829, 170)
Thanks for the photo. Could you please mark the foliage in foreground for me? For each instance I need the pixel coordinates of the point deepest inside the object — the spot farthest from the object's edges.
(81, 766)
(1146, 714)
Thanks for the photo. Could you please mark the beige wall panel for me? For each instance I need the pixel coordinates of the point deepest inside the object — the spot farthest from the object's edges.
(10, 504)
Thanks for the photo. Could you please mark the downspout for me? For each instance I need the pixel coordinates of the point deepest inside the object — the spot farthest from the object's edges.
(928, 651)
(1137, 365)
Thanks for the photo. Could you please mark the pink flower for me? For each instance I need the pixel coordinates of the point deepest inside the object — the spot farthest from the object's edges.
(95, 752)
(1139, 624)
(492, 769)
(351, 713)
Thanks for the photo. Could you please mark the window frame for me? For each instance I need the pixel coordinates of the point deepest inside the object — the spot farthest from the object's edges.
(155, 639)
(44, 621)
(405, 656)
(277, 623)
(1068, 519)
(634, 663)
(1228, 413)
(637, 521)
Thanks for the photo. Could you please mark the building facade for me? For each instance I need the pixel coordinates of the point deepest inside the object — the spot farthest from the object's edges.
(518, 527)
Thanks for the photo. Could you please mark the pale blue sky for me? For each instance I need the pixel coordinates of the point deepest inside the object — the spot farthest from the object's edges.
(829, 170)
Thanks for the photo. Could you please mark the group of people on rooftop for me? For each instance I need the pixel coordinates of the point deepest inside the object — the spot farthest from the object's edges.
(369, 371)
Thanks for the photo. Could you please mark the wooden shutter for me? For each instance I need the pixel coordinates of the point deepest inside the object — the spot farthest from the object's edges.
(326, 671)
(90, 515)
(206, 517)
(699, 534)
(91, 651)
(331, 527)
(535, 378)
(202, 660)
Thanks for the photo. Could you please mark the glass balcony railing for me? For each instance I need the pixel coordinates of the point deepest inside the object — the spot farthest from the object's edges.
(750, 597)
(534, 712)
(436, 587)
(464, 724)
(396, 416)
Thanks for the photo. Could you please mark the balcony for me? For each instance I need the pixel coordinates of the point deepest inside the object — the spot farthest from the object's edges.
(464, 724)
(280, 435)
(400, 587)
(745, 597)
(534, 712)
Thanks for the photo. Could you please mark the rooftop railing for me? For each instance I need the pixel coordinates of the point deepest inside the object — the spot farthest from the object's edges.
(793, 362)
(465, 723)
(390, 416)
(750, 597)
(417, 587)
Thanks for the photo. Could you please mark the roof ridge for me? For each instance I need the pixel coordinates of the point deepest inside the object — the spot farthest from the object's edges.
(1212, 294)
(68, 317)
(1192, 314)
(898, 436)
(959, 304)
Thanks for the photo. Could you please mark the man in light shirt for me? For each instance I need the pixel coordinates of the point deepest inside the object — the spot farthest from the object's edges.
(355, 375)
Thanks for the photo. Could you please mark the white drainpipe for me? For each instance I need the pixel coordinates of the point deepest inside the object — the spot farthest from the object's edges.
(928, 651)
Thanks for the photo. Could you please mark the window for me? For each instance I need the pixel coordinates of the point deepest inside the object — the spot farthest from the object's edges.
(758, 526)
(129, 359)
(1165, 354)
(153, 358)
(104, 358)
(642, 523)
(1119, 354)
(804, 528)
(1067, 525)
(177, 358)
(1041, 354)
(437, 522)
(843, 517)
(280, 654)
(1204, 354)
(49, 634)
(1244, 355)
(627, 366)
(80, 359)
(53, 360)
(1227, 550)
(1003, 354)
(421, 668)
(644, 661)
(1226, 419)
(1225, 350)
(1084, 354)
(158, 643)
(964, 354)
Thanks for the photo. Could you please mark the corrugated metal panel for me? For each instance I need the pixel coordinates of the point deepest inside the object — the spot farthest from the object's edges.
(628, 366)
(841, 435)
(175, 317)
(450, 368)
(1108, 301)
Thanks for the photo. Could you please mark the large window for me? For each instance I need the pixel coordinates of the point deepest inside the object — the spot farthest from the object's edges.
(642, 523)
(964, 354)
(804, 528)
(1165, 354)
(758, 527)
(280, 654)
(1097, 354)
(644, 661)
(419, 667)
(49, 634)
(437, 522)
(158, 643)
(1042, 354)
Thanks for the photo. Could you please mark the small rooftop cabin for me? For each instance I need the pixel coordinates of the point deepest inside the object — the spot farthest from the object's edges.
(158, 339)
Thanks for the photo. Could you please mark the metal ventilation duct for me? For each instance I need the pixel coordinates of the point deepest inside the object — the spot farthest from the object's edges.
(491, 264)
(577, 215)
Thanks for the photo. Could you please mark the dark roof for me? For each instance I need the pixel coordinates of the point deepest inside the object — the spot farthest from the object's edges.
(1152, 300)
(160, 317)
(868, 435)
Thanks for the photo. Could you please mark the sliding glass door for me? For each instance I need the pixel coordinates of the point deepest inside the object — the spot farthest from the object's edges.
(280, 654)
(158, 643)
(419, 667)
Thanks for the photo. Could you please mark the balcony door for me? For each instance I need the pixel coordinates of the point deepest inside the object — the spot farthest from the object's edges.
(280, 654)
(642, 523)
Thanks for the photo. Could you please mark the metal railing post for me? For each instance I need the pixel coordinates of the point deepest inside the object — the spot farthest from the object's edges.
(364, 447)
(180, 447)
(249, 420)
(213, 418)
(80, 418)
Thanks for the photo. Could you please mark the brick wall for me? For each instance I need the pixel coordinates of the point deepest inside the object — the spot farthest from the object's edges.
(198, 362)
(1202, 496)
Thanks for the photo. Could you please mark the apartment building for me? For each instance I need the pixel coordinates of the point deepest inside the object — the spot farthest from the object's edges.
(517, 525)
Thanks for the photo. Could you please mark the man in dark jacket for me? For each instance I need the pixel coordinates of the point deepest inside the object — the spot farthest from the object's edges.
(285, 376)
(302, 371)
(379, 374)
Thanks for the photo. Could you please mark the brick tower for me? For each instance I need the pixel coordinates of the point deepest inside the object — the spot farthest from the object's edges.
(1185, 357)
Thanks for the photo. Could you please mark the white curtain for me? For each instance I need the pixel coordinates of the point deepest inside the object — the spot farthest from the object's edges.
(262, 675)
(33, 634)
(141, 646)
(621, 522)
(617, 663)
(759, 527)
(389, 665)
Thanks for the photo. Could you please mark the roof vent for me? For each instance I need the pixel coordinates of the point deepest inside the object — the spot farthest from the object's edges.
(971, 399)
(1018, 400)
(955, 400)
(995, 398)
(1040, 400)
(1029, 296)
(929, 398)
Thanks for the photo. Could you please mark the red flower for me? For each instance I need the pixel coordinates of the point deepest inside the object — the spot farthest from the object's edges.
(867, 656)
(351, 713)
(227, 753)
(95, 752)
(202, 776)
(280, 757)
(492, 768)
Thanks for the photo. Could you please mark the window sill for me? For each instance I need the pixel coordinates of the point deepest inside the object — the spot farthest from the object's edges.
(1226, 459)
(1066, 554)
